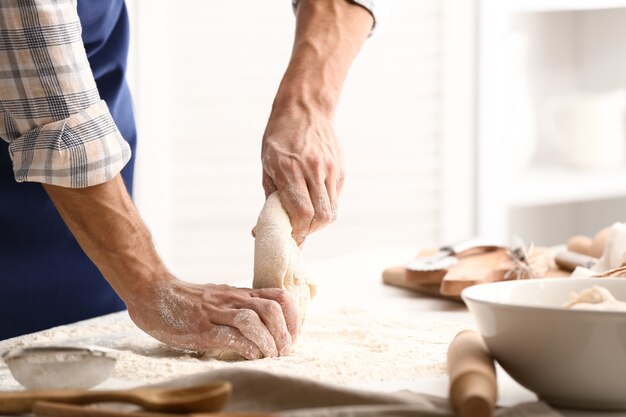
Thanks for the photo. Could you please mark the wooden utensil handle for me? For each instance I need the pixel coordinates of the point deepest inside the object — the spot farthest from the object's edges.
(20, 402)
(473, 389)
(52, 409)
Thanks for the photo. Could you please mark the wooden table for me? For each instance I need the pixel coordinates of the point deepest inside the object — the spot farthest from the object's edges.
(355, 327)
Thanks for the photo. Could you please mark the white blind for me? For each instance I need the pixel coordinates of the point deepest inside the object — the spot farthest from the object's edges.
(224, 62)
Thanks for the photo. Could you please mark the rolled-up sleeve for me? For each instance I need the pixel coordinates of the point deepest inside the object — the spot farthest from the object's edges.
(378, 8)
(59, 130)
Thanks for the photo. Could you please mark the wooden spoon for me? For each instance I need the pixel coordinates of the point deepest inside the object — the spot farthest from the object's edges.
(50, 409)
(210, 397)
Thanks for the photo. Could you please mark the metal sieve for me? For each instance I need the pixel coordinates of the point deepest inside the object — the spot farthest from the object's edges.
(60, 367)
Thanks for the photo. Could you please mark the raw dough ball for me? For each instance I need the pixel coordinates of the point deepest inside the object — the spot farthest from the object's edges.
(278, 261)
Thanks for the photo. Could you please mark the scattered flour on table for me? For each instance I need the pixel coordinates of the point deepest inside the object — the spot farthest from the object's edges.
(347, 346)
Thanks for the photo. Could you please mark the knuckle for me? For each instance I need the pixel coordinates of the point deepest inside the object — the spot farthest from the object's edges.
(315, 163)
(333, 170)
(272, 308)
(306, 212)
(326, 216)
(286, 166)
(282, 296)
(245, 317)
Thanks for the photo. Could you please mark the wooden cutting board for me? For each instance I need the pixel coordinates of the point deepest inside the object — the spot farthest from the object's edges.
(397, 277)
(478, 269)
(436, 277)
(473, 268)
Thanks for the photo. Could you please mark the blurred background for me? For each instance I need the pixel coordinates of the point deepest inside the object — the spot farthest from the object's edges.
(499, 118)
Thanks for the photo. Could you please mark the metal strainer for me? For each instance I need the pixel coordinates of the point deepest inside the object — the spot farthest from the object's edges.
(60, 367)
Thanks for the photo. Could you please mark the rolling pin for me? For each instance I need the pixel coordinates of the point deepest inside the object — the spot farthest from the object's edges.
(473, 388)
(588, 246)
(569, 261)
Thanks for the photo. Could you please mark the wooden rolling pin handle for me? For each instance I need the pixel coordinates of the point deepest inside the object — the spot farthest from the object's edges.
(473, 395)
(473, 387)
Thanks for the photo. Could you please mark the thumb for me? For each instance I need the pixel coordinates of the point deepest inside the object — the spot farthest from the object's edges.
(268, 184)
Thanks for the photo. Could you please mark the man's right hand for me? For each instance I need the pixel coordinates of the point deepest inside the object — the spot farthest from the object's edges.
(213, 318)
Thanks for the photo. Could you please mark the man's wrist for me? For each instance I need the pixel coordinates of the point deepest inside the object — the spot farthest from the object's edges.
(308, 88)
(134, 276)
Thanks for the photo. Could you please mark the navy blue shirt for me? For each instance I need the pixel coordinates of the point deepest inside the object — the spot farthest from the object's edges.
(47, 280)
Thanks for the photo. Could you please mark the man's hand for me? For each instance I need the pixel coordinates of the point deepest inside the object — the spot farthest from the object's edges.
(104, 220)
(215, 318)
(302, 157)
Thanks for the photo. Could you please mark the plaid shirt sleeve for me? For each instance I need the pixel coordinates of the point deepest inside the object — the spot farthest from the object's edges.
(59, 130)
(378, 8)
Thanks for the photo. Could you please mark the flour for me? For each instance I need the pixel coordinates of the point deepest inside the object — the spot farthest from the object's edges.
(349, 346)
(170, 305)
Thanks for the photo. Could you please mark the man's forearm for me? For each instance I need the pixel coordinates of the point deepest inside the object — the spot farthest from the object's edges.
(329, 34)
(253, 323)
(107, 226)
(301, 155)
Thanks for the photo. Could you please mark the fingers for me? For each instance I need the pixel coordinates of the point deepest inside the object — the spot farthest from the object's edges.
(334, 186)
(294, 195)
(250, 326)
(268, 184)
(228, 338)
(322, 206)
(309, 195)
(289, 311)
(217, 340)
(271, 314)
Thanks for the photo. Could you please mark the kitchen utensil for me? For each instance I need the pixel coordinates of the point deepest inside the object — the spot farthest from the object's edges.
(425, 277)
(473, 387)
(472, 270)
(588, 246)
(210, 397)
(445, 258)
(587, 129)
(397, 277)
(571, 358)
(569, 261)
(51, 409)
(59, 367)
(579, 244)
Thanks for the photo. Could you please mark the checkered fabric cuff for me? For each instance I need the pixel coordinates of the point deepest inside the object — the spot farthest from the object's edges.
(83, 150)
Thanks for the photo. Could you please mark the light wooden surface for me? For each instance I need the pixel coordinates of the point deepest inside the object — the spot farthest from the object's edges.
(356, 278)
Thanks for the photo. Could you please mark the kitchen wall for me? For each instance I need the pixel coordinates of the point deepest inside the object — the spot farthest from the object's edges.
(204, 76)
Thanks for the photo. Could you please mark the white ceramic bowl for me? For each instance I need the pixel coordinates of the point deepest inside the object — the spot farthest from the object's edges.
(570, 358)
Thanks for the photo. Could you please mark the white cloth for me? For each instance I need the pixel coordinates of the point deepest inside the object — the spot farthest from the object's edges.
(614, 249)
(298, 397)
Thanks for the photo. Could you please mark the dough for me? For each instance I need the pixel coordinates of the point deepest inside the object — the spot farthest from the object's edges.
(595, 298)
(278, 261)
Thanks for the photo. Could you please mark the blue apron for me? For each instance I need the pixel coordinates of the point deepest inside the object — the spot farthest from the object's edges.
(45, 278)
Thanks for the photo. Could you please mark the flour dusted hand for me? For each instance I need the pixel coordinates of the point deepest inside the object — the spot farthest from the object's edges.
(218, 319)
(278, 260)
